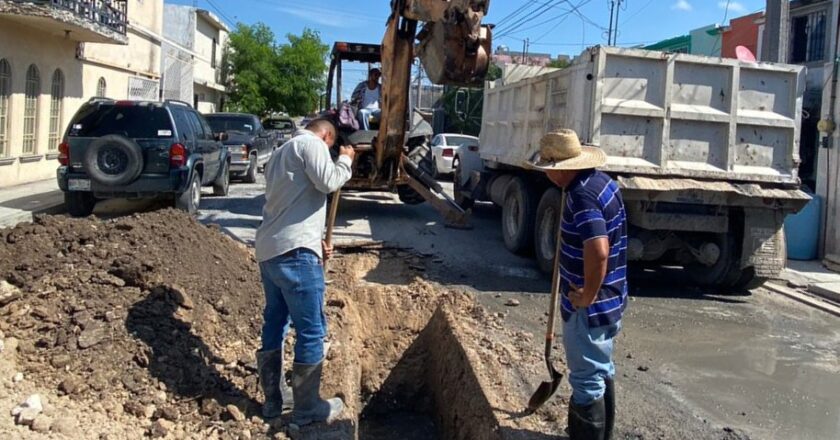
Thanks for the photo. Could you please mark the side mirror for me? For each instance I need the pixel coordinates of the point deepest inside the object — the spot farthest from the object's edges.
(221, 137)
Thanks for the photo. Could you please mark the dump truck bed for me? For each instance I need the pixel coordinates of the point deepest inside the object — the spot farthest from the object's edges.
(656, 114)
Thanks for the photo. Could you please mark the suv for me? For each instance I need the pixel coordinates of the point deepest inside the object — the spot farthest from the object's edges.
(284, 126)
(249, 144)
(139, 149)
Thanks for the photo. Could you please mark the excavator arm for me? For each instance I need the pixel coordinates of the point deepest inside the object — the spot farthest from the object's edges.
(454, 48)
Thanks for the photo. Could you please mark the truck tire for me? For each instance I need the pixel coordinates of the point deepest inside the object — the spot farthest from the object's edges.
(546, 228)
(221, 186)
(459, 195)
(519, 213)
(409, 196)
(251, 173)
(79, 203)
(189, 200)
(749, 280)
(726, 272)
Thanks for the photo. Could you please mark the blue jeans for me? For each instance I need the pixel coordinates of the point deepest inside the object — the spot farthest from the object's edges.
(294, 289)
(589, 356)
(364, 117)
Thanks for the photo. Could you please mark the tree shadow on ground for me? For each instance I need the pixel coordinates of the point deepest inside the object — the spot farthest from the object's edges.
(178, 358)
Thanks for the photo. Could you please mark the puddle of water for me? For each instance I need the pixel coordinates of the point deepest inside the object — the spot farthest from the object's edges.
(748, 366)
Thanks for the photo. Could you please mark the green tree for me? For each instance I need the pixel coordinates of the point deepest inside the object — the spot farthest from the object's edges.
(301, 65)
(559, 63)
(267, 77)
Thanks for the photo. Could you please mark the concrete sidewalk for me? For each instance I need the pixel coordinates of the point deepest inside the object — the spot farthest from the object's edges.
(19, 203)
(814, 277)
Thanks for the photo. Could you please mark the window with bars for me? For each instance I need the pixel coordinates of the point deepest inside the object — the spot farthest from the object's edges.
(102, 88)
(808, 37)
(30, 110)
(5, 96)
(56, 107)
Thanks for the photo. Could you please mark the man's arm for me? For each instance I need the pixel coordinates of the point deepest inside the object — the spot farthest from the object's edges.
(326, 175)
(596, 252)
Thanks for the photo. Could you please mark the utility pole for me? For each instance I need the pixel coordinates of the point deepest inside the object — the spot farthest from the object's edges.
(610, 30)
(776, 29)
(617, 10)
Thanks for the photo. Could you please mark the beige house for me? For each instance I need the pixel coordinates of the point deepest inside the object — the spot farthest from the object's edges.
(56, 54)
(194, 41)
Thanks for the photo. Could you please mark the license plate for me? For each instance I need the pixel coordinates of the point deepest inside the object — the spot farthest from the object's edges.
(78, 185)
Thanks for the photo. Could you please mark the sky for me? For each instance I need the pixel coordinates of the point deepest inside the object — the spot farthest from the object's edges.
(557, 27)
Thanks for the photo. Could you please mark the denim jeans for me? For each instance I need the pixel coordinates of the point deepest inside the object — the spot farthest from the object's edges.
(294, 290)
(589, 356)
(364, 117)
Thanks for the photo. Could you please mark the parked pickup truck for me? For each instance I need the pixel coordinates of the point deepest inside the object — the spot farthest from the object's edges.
(249, 143)
(283, 127)
(705, 151)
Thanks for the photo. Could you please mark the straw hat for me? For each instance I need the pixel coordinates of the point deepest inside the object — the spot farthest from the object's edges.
(561, 150)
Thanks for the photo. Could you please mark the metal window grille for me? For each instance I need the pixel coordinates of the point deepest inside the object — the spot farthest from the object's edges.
(177, 81)
(816, 36)
(30, 110)
(102, 88)
(56, 107)
(5, 94)
(143, 89)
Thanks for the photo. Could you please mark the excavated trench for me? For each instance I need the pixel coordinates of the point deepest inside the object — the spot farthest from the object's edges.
(402, 354)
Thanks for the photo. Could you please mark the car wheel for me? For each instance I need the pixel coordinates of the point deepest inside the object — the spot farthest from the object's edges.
(221, 185)
(251, 174)
(79, 204)
(189, 200)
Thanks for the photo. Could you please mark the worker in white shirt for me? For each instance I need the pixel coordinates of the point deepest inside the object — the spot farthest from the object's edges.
(366, 98)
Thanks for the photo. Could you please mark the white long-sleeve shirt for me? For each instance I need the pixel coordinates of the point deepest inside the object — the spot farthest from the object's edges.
(298, 177)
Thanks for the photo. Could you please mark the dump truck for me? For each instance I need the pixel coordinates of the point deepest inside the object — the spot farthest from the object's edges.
(704, 149)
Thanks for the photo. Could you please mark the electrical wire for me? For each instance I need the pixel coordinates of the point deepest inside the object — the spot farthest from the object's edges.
(540, 11)
(221, 13)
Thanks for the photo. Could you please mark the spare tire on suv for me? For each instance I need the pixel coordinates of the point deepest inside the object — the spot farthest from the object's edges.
(113, 160)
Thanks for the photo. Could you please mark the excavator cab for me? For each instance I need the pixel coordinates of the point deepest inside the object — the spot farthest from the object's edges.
(368, 55)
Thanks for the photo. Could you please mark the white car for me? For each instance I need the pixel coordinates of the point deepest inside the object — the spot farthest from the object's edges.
(445, 147)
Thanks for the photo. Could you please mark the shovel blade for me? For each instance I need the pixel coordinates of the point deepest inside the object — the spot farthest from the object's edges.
(545, 391)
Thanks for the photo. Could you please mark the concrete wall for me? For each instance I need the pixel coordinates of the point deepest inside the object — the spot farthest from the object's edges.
(22, 46)
(142, 55)
(742, 31)
(208, 99)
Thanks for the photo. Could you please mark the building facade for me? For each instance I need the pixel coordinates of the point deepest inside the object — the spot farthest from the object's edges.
(194, 42)
(742, 31)
(56, 54)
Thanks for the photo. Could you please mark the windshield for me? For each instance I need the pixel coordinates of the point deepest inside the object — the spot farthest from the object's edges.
(221, 124)
(278, 124)
(133, 121)
(461, 141)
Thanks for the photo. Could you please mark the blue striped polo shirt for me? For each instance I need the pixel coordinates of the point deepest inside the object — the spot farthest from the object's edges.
(594, 208)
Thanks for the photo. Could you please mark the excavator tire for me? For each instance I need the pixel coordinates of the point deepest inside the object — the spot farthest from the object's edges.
(409, 196)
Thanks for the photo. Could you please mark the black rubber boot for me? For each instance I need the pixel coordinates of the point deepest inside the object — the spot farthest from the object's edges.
(309, 406)
(278, 395)
(587, 422)
(609, 409)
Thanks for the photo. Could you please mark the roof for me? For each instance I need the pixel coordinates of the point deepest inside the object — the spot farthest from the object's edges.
(361, 52)
(245, 115)
(212, 19)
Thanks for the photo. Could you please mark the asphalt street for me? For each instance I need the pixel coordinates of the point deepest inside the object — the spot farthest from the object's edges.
(758, 365)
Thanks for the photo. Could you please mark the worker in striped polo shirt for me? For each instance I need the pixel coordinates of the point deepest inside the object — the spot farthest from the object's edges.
(593, 267)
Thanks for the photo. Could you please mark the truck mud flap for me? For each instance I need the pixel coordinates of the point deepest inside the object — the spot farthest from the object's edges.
(764, 242)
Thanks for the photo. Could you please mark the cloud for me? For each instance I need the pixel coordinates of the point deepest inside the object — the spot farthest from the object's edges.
(682, 5)
(335, 18)
(733, 6)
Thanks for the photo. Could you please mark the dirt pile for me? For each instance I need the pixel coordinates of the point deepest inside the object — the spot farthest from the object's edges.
(147, 317)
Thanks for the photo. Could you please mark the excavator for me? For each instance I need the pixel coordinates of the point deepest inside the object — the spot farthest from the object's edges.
(454, 48)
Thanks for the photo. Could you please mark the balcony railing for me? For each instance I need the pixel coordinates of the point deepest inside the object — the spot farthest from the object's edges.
(108, 13)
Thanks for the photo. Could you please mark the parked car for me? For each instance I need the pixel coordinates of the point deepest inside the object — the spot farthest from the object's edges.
(138, 149)
(444, 148)
(283, 127)
(250, 145)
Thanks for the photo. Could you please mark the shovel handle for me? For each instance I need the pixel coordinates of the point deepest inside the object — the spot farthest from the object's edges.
(555, 283)
(331, 220)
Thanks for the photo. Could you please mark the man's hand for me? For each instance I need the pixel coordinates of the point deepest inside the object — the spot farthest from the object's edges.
(347, 150)
(579, 298)
(327, 250)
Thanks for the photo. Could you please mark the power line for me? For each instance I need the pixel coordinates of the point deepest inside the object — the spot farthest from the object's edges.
(574, 10)
(638, 11)
(221, 13)
(540, 11)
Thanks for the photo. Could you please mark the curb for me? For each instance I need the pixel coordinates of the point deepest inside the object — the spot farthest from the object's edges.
(805, 298)
(10, 217)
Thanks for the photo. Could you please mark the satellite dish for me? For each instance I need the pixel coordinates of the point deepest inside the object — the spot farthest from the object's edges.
(744, 54)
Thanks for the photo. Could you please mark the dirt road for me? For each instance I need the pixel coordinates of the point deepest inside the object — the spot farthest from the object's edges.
(692, 364)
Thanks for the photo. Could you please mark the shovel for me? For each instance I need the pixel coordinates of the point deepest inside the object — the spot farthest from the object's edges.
(547, 389)
(331, 225)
